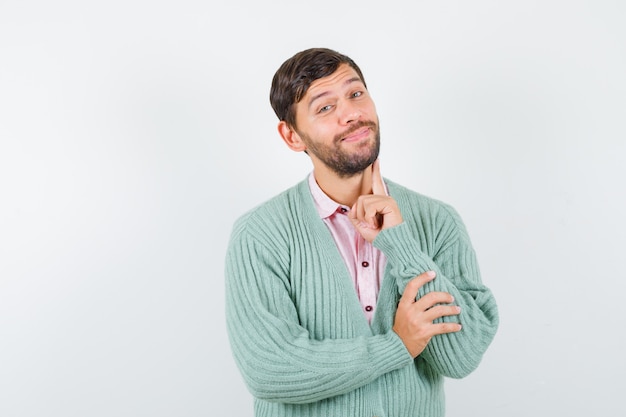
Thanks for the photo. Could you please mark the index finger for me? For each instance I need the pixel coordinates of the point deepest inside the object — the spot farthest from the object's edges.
(378, 186)
(412, 288)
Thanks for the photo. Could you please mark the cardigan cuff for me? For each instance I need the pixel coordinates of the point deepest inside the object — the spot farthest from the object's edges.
(403, 251)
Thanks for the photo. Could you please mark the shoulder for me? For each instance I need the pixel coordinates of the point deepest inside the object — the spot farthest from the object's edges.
(425, 209)
(414, 199)
(273, 215)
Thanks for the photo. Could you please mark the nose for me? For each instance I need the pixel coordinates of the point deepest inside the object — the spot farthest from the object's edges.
(349, 113)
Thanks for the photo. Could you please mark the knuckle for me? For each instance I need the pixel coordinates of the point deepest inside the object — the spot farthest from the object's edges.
(431, 298)
(414, 284)
(451, 327)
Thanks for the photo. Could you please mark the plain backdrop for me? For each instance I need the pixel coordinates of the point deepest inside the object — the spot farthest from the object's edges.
(133, 133)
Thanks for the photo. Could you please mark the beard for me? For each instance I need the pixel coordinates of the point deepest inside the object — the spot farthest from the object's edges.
(342, 162)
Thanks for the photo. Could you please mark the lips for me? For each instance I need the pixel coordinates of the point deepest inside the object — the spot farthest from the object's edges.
(359, 134)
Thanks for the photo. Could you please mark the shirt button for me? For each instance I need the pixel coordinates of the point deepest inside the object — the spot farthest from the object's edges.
(343, 209)
(369, 308)
(365, 264)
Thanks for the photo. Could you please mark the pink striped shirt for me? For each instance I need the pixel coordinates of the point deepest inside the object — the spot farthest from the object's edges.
(365, 263)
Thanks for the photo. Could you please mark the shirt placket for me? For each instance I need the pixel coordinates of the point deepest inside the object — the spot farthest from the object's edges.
(366, 277)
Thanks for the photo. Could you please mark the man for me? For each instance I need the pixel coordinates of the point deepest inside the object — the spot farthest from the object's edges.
(349, 295)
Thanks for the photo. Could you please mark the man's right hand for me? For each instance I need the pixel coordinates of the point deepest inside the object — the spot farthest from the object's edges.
(377, 211)
(414, 318)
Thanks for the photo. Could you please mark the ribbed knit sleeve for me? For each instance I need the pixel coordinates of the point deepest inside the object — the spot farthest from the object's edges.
(433, 237)
(280, 359)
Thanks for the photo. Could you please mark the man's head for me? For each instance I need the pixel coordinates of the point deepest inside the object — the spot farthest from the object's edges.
(295, 75)
(324, 108)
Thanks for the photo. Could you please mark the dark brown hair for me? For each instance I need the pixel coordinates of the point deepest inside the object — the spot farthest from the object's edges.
(295, 75)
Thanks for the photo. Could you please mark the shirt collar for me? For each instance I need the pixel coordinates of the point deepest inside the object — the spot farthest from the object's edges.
(325, 205)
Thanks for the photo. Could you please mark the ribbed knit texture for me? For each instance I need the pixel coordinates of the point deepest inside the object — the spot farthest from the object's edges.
(297, 330)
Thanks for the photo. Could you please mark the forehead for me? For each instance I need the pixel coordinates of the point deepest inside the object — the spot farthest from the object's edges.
(343, 76)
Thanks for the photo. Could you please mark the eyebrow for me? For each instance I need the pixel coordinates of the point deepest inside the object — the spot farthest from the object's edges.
(324, 93)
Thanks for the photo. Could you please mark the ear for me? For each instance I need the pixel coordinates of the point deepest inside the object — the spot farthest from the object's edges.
(291, 137)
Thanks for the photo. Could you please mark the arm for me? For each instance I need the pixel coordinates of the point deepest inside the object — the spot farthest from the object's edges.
(453, 354)
(278, 358)
(418, 318)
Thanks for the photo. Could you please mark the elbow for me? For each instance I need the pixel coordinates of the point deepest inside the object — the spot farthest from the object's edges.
(459, 366)
(458, 355)
(479, 345)
(287, 393)
(462, 369)
(262, 391)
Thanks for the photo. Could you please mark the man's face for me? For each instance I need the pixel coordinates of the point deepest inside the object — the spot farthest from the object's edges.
(337, 121)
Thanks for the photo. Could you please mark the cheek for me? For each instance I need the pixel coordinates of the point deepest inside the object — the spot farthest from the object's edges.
(320, 131)
(370, 110)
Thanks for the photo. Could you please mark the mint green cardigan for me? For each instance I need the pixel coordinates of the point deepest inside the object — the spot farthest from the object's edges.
(298, 333)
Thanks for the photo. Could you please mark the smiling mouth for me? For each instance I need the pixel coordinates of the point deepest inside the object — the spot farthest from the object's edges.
(357, 135)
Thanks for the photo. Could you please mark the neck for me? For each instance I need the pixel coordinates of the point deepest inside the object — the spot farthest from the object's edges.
(344, 190)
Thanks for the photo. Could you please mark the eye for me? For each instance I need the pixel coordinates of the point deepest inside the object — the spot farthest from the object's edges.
(357, 94)
(325, 108)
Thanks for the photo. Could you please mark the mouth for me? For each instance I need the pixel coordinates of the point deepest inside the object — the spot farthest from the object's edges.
(357, 135)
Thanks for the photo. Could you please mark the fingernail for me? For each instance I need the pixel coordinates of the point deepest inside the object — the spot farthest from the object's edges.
(431, 274)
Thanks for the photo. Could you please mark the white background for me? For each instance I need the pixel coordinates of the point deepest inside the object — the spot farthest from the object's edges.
(134, 132)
